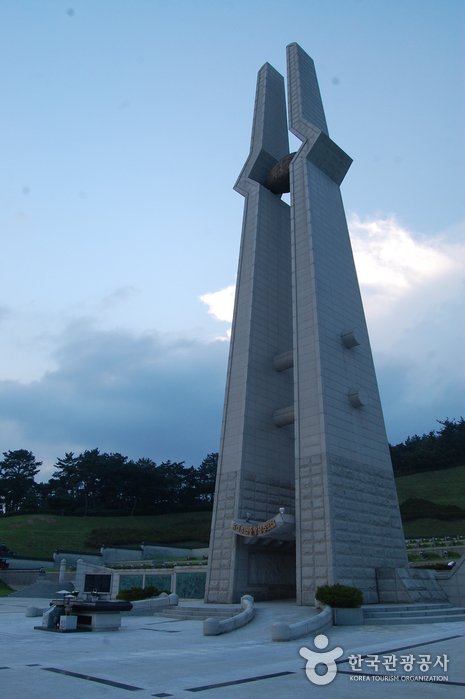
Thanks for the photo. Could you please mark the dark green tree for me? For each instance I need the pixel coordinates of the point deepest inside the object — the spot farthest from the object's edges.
(103, 484)
(439, 449)
(65, 491)
(206, 477)
(17, 484)
(88, 483)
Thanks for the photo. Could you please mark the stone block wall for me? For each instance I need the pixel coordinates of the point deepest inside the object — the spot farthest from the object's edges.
(453, 583)
(297, 290)
(256, 458)
(347, 514)
(408, 585)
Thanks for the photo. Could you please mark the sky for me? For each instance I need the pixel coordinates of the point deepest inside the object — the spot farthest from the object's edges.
(123, 127)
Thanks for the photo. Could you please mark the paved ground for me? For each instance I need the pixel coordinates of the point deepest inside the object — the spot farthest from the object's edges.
(153, 656)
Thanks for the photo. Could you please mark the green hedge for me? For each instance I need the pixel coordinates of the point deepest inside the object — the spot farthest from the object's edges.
(137, 593)
(339, 596)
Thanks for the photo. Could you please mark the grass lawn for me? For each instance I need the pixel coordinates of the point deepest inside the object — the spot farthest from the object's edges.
(446, 487)
(4, 589)
(433, 527)
(40, 535)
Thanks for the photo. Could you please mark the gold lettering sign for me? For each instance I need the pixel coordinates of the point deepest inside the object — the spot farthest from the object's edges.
(254, 529)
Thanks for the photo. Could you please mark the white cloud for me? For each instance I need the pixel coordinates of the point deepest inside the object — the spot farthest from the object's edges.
(407, 283)
(221, 303)
(413, 291)
(392, 263)
(388, 256)
(160, 395)
(395, 270)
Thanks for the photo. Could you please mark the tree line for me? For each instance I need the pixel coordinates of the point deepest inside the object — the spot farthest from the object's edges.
(112, 484)
(439, 449)
(104, 484)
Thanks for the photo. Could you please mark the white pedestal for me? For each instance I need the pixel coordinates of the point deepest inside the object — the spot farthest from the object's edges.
(68, 623)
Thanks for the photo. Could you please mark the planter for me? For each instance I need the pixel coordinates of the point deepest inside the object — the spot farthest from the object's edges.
(348, 616)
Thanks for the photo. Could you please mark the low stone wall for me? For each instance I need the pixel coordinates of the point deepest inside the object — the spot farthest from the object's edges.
(280, 631)
(188, 582)
(70, 576)
(117, 554)
(110, 555)
(452, 582)
(147, 607)
(407, 585)
(214, 627)
(18, 563)
(18, 579)
(72, 557)
(33, 611)
(156, 551)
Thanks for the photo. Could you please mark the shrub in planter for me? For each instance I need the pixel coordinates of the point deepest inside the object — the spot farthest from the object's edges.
(342, 596)
(137, 593)
(345, 601)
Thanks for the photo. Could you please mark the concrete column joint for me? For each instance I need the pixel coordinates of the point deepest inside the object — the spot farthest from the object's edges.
(284, 416)
(284, 361)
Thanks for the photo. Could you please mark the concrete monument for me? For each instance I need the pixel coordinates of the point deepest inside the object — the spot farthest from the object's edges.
(305, 493)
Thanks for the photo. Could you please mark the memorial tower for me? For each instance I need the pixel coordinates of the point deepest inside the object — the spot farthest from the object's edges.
(305, 492)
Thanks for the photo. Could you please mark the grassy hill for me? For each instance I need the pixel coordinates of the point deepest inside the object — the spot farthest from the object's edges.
(4, 589)
(40, 535)
(445, 487)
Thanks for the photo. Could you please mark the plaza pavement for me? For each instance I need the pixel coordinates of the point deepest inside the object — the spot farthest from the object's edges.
(156, 656)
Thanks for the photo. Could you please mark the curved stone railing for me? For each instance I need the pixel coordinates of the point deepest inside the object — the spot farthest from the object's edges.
(35, 611)
(146, 607)
(280, 631)
(213, 627)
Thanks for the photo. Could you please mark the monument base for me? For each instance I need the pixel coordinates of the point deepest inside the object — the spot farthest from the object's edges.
(405, 585)
(266, 572)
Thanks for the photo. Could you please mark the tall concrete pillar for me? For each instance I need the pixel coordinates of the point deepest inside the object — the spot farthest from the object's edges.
(256, 458)
(301, 404)
(347, 514)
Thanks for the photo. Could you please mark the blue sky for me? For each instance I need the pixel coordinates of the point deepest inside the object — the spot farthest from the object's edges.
(123, 127)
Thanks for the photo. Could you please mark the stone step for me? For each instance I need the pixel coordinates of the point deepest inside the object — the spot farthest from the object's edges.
(405, 607)
(203, 614)
(423, 613)
(198, 613)
(45, 589)
(415, 620)
(200, 617)
(412, 612)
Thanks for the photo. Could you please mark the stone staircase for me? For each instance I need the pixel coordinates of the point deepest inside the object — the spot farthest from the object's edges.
(377, 614)
(43, 589)
(200, 612)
